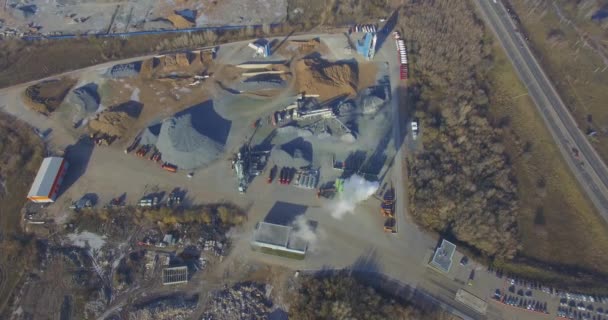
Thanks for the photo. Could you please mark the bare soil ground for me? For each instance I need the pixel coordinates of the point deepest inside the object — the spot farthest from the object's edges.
(558, 224)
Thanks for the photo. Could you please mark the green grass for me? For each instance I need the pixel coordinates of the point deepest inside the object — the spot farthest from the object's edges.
(559, 227)
(280, 253)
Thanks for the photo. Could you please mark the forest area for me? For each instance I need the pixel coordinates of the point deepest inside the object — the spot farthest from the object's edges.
(341, 296)
(462, 183)
(21, 152)
(490, 176)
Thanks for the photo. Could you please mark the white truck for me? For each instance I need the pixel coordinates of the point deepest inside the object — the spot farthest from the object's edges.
(414, 128)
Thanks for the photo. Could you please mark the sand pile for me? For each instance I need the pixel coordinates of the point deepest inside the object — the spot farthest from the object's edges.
(112, 123)
(328, 80)
(117, 120)
(179, 22)
(191, 139)
(301, 47)
(45, 97)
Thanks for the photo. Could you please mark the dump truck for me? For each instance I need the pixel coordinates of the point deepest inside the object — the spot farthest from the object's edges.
(390, 225)
(272, 174)
(388, 209)
(133, 145)
(169, 167)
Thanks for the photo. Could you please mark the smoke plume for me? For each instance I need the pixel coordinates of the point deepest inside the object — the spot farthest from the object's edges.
(303, 230)
(356, 189)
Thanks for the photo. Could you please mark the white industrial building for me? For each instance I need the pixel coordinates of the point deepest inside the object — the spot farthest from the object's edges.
(442, 259)
(278, 237)
(48, 180)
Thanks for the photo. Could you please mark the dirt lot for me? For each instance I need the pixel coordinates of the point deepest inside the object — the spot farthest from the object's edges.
(574, 55)
(558, 224)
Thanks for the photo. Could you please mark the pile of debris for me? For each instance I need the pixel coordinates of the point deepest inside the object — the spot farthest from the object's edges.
(326, 79)
(243, 301)
(46, 96)
(173, 307)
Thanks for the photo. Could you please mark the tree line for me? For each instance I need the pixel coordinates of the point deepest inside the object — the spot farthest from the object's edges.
(461, 183)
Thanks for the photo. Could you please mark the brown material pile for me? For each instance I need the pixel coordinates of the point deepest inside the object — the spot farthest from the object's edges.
(327, 79)
(183, 63)
(112, 122)
(45, 97)
(179, 22)
(301, 47)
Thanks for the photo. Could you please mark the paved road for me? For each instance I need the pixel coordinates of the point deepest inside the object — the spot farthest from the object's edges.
(588, 168)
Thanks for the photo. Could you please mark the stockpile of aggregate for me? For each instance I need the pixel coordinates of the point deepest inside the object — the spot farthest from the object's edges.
(85, 99)
(191, 139)
(125, 70)
(261, 82)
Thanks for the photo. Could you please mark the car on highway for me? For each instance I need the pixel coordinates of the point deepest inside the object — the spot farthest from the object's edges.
(414, 127)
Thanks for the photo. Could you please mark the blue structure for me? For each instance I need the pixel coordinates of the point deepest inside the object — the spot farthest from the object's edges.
(364, 45)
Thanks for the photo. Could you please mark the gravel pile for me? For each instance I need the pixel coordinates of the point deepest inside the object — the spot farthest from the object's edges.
(190, 139)
(85, 99)
(184, 146)
(371, 104)
(243, 301)
(124, 70)
(260, 83)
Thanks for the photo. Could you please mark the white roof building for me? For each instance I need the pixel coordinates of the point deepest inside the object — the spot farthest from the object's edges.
(442, 259)
(48, 179)
(279, 237)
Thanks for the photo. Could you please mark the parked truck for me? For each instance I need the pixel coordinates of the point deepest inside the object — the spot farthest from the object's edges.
(169, 167)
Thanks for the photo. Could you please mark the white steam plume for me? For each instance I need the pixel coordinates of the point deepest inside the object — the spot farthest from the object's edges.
(356, 189)
(303, 230)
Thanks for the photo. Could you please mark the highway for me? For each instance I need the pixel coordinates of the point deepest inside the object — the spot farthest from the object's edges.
(587, 166)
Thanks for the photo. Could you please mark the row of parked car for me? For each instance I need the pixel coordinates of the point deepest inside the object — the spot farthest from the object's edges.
(571, 313)
(524, 303)
(535, 285)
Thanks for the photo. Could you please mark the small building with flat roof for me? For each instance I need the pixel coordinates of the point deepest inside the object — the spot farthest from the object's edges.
(45, 187)
(278, 237)
(442, 259)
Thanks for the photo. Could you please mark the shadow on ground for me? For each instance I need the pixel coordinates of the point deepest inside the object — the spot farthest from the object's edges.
(284, 213)
(208, 122)
(78, 156)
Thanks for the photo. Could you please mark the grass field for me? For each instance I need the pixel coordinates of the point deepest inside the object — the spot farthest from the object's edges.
(20, 155)
(558, 225)
(574, 68)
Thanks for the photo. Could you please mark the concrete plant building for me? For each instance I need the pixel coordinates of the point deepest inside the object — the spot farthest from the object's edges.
(278, 237)
(46, 184)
